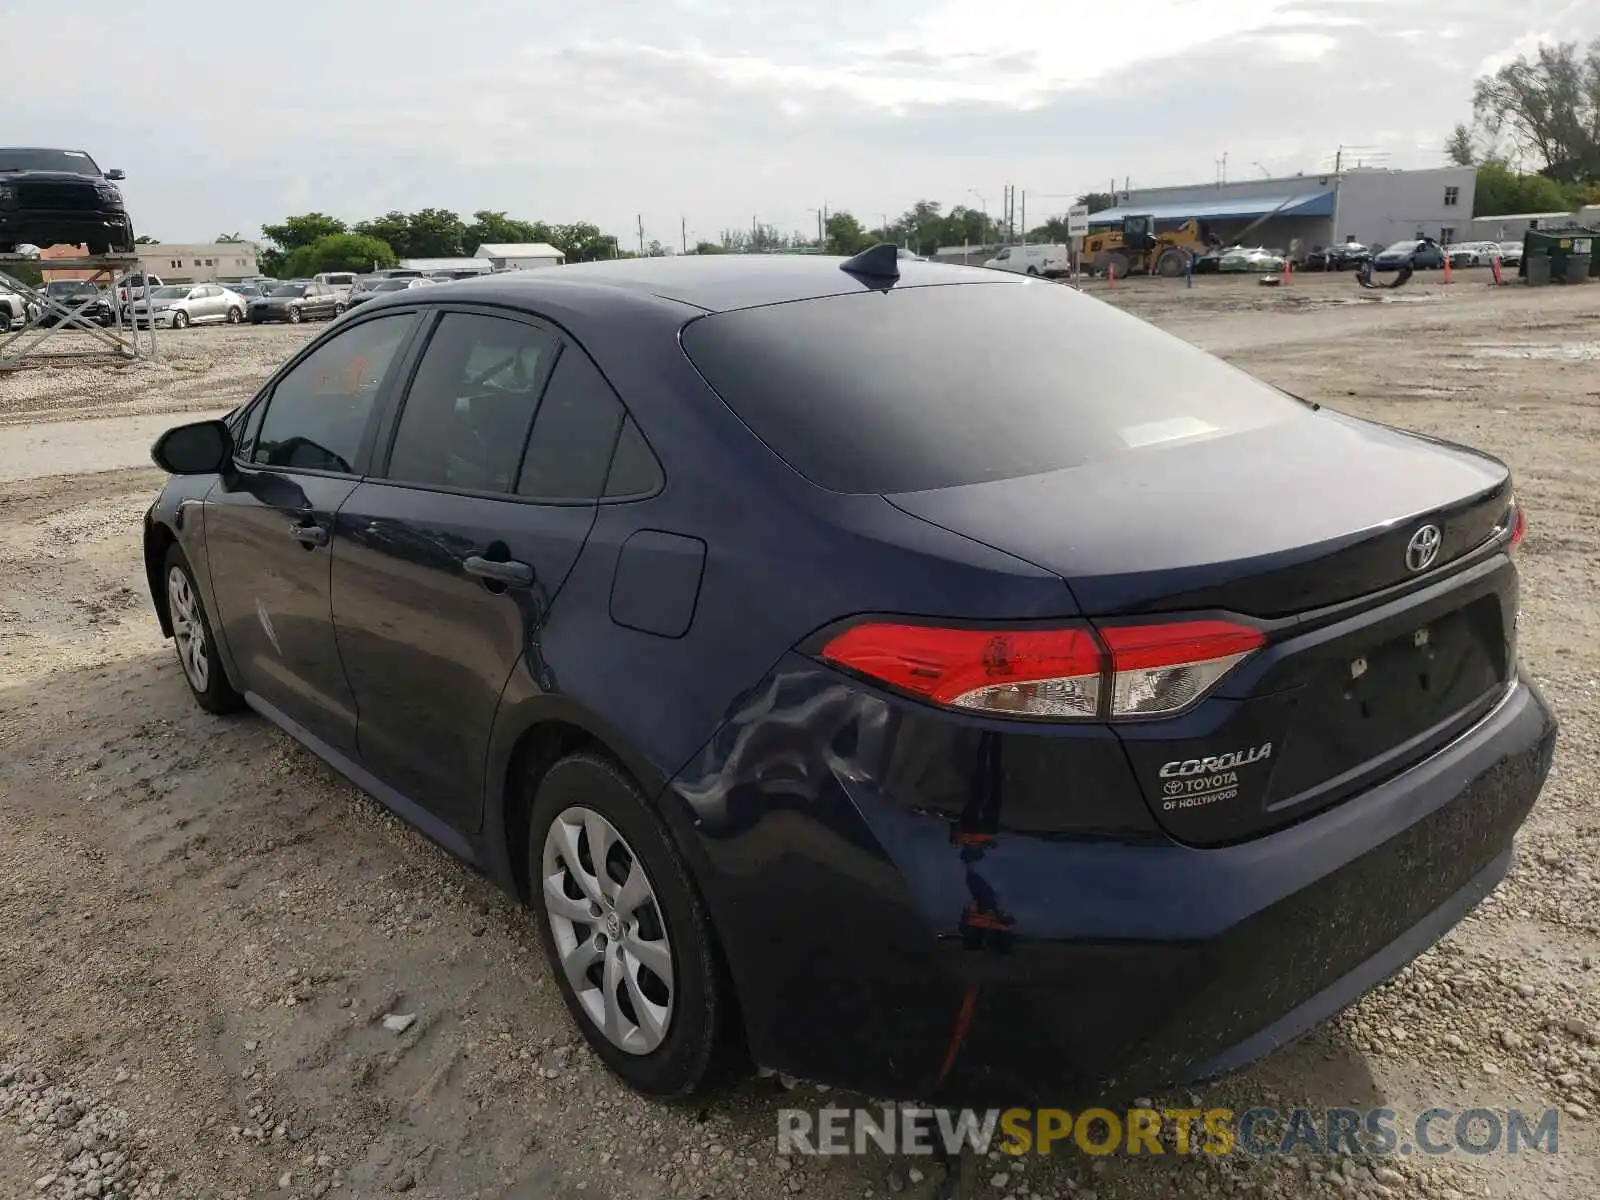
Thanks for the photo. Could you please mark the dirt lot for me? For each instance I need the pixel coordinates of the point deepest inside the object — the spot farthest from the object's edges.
(201, 925)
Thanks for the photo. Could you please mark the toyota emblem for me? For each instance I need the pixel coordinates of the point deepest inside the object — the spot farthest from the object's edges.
(1423, 548)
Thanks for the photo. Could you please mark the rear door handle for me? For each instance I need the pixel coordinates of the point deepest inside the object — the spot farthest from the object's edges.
(512, 574)
(309, 535)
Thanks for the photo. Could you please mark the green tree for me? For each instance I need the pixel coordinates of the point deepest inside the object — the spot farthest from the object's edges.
(709, 248)
(967, 226)
(430, 233)
(393, 227)
(1053, 231)
(1550, 106)
(845, 234)
(146, 240)
(1501, 190)
(339, 252)
(228, 239)
(1459, 148)
(299, 231)
(582, 242)
(27, 271)
(495, 228)
(923, 225)
(1098, 201)
(435, 233)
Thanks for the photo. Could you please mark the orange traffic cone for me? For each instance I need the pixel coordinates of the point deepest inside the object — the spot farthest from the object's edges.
(1447, 268)
(1111, 274)
(1495, 263)
(1288, 271)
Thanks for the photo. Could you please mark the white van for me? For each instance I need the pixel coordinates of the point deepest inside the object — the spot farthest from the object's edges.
(1031, 260)
(340, 281)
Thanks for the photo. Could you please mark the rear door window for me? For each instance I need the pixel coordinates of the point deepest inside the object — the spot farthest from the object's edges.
(318, 412)
(932, 387)
(467, 413)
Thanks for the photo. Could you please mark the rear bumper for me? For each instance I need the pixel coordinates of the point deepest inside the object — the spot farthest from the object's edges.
(877, 943)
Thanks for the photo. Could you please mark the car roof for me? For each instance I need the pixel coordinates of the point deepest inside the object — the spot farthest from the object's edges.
(716, 283)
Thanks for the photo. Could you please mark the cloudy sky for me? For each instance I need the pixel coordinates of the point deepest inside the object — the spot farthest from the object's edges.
(712, 112)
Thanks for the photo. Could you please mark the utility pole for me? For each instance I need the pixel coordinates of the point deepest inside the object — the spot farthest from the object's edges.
(1024, 216)
(819, 229)
(1224, 168)
(683, 232)
(641, 235)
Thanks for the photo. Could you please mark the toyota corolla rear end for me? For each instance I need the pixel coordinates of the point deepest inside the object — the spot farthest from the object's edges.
(1274, 746)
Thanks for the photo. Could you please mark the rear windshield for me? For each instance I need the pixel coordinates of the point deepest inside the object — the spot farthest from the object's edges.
(931, 387)
(290, 289)
(391, 285)
(75, 161)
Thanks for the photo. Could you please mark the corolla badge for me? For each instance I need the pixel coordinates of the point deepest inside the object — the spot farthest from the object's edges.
(1423, 548)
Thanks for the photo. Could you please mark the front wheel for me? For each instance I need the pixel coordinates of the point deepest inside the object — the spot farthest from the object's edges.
(1119, 263)
(338, 310)
(235, 315)
(1170, 265)
(630, 944)
(295, 316)
(191, 634)
(180, 319)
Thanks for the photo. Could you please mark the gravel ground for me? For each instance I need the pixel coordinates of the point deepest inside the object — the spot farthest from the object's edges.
(203, 929)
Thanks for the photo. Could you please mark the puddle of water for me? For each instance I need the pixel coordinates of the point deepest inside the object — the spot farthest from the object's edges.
(1548, 351)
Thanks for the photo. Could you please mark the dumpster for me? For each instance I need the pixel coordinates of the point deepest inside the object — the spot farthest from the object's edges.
(1561, 245)
(1536, 267)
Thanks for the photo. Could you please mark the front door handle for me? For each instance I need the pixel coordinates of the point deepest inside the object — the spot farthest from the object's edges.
(309, 535)
(512, 574)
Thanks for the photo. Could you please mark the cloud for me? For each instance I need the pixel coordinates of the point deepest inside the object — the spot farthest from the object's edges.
(712, 113)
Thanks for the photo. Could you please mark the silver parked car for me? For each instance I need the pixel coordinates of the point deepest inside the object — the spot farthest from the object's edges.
(182, 304)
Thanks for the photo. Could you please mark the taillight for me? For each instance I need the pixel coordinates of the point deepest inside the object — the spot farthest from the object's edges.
(1519, 526)
(1162, 669)
(1030, 673)
(1153, 669)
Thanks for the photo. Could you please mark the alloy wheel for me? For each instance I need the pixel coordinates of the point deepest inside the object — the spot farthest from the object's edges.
(609, 934)
(188, 630)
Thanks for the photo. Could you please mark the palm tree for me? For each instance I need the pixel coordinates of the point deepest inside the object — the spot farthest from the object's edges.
(224, 239)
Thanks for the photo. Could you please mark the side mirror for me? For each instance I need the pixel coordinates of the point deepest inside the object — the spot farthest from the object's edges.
(115, 173)
(200, 448)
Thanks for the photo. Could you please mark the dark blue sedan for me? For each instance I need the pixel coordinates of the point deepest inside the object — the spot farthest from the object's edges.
(911, 677)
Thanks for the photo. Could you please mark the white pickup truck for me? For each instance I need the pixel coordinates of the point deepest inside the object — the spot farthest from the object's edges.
(1042, 260)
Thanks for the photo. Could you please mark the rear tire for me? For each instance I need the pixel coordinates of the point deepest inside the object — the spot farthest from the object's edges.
(192, 636)
(645, 891)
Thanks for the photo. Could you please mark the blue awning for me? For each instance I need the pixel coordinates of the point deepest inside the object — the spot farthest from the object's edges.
(1308, 204)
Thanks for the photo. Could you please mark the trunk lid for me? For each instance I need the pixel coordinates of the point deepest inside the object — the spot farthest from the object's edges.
(1305, 525)
(1266, 522)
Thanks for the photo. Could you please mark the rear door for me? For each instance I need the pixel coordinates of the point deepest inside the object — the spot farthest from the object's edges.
(269, 527)
(449, 559)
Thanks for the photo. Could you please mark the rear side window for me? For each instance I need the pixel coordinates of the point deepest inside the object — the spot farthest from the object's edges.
(318, 412)
(634, 469)
(932, 387)
(574, 433)
(466, 416)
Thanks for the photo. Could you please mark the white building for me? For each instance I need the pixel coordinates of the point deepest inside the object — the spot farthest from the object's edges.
(1363, 203)
(1509, 227)
(426, 265)
(198, 262)
(520, 256)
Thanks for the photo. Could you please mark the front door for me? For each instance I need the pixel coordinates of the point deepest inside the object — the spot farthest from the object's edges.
(446, 567)
(270, 525)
